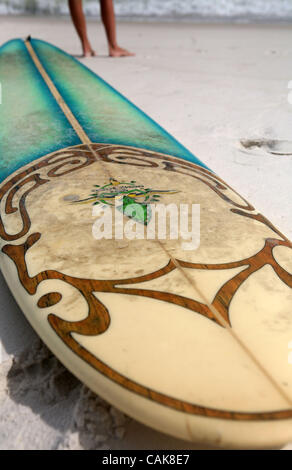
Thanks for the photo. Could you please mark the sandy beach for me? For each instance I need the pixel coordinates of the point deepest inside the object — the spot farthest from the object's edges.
(222, 91)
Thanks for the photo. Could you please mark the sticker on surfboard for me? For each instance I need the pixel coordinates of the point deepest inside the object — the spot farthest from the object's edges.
(130, 198)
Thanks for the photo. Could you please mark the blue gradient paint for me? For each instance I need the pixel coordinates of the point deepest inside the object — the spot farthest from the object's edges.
(31, 122)
(105, 114)
(33, 125)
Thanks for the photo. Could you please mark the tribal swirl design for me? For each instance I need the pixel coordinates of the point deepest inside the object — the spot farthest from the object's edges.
(13, 195)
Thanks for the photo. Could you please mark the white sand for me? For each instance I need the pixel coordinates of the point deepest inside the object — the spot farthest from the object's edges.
(211, 87)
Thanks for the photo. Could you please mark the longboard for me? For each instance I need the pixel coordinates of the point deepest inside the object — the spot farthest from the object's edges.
(193, 341)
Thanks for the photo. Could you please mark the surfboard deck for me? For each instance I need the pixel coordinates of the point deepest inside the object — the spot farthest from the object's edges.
(194, 343)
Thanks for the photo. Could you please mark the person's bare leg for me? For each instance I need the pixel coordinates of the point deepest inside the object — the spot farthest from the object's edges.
(79, 22)
(108, 18)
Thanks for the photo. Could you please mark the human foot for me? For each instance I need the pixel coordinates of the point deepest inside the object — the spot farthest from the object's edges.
(119, 52)
(88, 53)
(87, 50)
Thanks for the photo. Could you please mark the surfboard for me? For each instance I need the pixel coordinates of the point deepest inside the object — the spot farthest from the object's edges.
(188, 331)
